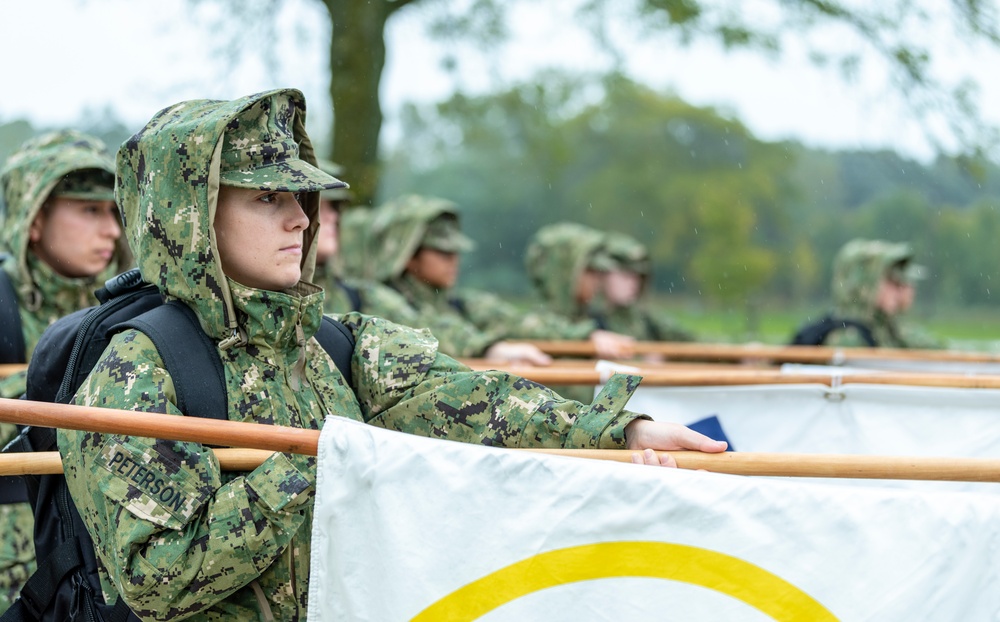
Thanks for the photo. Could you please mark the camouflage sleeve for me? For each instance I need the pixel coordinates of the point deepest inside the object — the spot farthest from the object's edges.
(14, 385)
(378, 299)
(916, 337)
(173, 537)
(455, 336)
(666, 329)
(485, 310)
(847, 337)
(403, 383)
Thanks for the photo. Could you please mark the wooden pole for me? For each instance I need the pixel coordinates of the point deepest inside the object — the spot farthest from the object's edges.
(49, 463)
(9, 369)
(784, 354)
(745, 463)
(819, 465)
(680, 377)
(129, 423)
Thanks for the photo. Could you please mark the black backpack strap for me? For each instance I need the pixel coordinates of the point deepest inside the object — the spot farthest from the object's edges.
(40, 588)
(815, 334)
(12, 490)
(190, 355)
(353, 294)
(12, 347)
(599, 319)
(864, 331)
(458, 305)
(338, 342)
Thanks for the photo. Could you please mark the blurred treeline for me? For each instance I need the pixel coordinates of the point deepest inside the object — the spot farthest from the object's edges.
(729, 218)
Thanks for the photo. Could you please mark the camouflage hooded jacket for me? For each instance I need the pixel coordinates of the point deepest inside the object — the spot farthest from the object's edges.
(858, 270)
(177, 539)
(556, 258)
(636, 319)
(465, 321)
(28, 177)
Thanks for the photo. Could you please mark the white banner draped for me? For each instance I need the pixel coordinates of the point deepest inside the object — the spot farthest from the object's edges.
(849, 419)
(408, 528)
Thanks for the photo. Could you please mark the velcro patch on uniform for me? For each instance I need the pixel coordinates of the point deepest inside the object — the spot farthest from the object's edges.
(141, 483)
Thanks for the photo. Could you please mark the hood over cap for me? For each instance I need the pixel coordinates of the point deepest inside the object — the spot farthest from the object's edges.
(66, 163)
(858, 270)
(556, 257)
(399, 228)
(169, 174)
(354, 257)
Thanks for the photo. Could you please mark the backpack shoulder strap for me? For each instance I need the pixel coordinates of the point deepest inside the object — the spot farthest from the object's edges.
(12, 347)
(458, 304)
(865, 331)
(193, 359)
(339, 344)
(353, 294)
(189, 355)
(816, 333)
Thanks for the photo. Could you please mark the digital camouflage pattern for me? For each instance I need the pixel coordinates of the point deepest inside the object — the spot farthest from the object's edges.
(636, 319)
(355, 259)
(858, 269)
(556, 257)
(397, 229)
(66, 163)
(466, 322)
(374, 298)
(175, 537)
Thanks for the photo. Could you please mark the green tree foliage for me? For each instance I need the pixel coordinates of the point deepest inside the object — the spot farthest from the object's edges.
(891, 32)
(728, 217)
(695, 186)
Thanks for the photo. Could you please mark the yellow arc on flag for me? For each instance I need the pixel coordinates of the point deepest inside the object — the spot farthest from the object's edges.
(729, 575)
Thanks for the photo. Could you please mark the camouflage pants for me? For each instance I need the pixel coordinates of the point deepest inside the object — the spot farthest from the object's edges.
(17, 550)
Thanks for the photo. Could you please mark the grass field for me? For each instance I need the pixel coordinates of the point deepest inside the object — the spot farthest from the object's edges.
(966, 328)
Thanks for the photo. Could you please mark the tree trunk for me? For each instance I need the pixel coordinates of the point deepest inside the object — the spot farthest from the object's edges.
(357, 56)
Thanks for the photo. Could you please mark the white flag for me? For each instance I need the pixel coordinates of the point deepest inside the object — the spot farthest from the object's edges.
(408, 528)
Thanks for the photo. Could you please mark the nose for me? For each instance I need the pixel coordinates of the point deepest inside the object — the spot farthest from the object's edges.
(297, 218)
(111, 227)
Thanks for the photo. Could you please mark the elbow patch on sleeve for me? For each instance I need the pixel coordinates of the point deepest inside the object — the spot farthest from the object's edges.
(392, 359)
(152, 482)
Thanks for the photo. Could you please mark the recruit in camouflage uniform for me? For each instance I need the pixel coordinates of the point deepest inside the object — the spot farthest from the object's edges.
(631, 317)
(175, 537)
(412, 222)
(557, 259)
(859, 270)
(66, 164)
(343, 293)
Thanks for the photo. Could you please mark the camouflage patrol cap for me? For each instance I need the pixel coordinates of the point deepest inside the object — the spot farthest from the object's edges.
(443, 234)
(260, 152)
(901, 267)
(860, 267)
(88, 185)
(628, 253)
(601, 261)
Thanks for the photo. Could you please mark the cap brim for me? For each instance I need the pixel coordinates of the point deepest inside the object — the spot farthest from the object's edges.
(455, 244)
(337, 194)
(292, 175)
(93, 195)
(915, 272)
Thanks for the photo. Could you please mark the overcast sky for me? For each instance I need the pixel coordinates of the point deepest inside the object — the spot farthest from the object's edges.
(61, 57)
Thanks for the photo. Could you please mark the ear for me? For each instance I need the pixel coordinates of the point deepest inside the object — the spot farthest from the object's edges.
(37, 225)
(413, 265)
